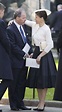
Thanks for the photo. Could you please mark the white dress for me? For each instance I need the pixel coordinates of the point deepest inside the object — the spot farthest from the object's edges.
(45, 76)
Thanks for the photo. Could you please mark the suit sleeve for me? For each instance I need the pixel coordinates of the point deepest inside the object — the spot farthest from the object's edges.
(59, 41)
(53, 19)
(15, 49)
(4, 39)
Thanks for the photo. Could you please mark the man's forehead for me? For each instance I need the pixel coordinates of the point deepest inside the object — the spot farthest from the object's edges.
(23, 14)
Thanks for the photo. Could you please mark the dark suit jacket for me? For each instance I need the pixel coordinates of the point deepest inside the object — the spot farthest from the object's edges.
(59, 41)
(28, 31)
(56, 20)
(58, 88)
(58, 91)
(5, 65)
(17, 45)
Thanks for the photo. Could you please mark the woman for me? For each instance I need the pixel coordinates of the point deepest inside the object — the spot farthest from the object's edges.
(58, 86)
(44, 77)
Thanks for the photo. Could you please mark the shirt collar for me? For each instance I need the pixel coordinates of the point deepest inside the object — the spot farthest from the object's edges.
(18, 26)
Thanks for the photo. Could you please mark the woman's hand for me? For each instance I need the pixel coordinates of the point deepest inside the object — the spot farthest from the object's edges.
(10, 22)
(38, 59)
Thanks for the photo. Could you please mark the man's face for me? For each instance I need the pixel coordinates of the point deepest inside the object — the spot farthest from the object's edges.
(2, 13)
(21, 20)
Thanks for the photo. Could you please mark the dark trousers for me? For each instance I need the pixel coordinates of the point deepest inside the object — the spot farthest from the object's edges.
(3, 86)
(16, 90)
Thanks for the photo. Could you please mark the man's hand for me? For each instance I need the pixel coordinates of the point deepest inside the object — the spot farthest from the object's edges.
(31, 55)
(26, 56)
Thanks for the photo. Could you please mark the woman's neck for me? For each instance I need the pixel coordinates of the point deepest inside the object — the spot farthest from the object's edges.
(41, 24)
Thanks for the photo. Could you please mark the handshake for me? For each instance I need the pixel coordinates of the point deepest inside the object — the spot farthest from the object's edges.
(28, 56)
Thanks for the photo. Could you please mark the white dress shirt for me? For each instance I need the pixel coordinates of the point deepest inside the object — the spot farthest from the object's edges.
(18, 26)
(41, 34)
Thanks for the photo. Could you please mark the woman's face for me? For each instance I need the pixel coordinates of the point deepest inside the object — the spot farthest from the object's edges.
(38, 19)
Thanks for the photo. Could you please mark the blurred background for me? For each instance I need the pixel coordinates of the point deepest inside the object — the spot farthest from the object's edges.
(29, 6)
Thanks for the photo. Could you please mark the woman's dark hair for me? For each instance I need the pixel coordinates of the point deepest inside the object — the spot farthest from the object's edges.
(42, 14)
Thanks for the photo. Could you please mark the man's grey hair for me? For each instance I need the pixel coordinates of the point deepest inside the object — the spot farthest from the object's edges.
(18, 12)
(2, 7)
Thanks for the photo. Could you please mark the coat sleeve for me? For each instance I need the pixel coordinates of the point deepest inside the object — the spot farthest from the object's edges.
(4, 39)
(59, 41)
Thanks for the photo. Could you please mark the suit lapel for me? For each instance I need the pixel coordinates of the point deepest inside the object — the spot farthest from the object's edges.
(17, 32)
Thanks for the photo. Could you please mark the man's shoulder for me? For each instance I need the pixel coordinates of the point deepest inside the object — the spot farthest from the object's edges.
(59, 12)
(11, 26)
(1, 20)
(3, 24)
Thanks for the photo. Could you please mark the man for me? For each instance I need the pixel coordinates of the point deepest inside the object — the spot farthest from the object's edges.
(19, 41)
(56, 23)
(5, 66)
(58, 86)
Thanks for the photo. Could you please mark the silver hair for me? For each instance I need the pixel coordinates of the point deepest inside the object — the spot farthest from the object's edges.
(18, 12)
